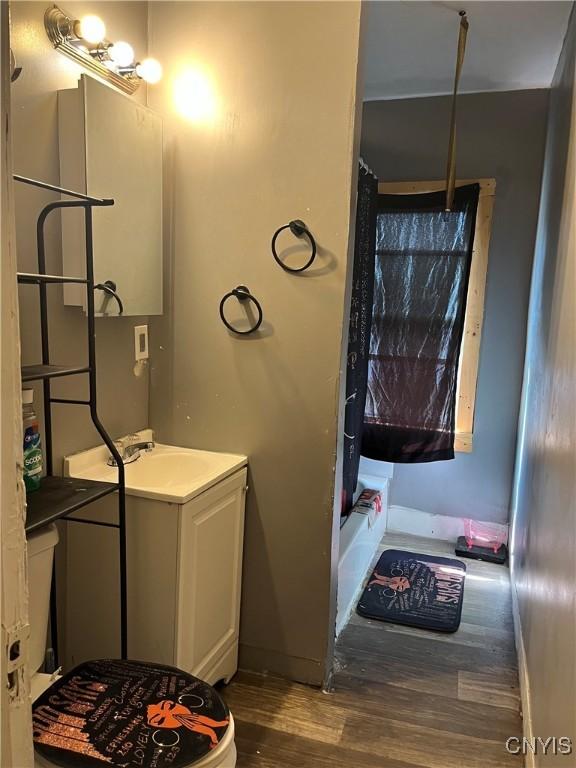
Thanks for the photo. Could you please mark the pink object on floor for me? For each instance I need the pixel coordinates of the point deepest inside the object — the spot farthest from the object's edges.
(488, 535)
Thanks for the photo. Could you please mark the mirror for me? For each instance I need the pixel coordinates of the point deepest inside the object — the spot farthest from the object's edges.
(111, 146)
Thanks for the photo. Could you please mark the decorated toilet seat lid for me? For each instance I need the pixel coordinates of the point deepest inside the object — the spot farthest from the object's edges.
(128, 714)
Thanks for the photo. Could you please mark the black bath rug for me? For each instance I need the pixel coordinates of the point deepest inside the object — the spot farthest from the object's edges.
(418, 590)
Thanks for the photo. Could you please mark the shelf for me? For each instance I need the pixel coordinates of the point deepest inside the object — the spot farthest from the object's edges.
(62, 191)
(36, 279)
(59, 496)
(37, 372)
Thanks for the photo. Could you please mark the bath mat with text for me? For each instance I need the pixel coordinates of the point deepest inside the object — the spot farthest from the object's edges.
(418, 590)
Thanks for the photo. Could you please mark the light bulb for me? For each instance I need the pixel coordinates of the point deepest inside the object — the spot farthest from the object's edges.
(149, 70)
(121, 53)
(92, 29)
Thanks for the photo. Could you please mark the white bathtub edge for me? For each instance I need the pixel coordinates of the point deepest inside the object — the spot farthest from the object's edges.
(358, 545)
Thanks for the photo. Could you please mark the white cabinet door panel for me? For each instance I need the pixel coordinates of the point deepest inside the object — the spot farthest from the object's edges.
(210, 570)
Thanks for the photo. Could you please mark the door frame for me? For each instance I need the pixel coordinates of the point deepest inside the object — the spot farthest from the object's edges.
(16, 747)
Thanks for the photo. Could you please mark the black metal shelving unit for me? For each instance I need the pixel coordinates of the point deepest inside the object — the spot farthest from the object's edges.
(59, 497)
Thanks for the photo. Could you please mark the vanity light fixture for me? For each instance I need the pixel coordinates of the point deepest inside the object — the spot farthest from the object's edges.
(84, 41)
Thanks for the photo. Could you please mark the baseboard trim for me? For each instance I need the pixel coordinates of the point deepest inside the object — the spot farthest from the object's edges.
(415, 522)
(524, 677)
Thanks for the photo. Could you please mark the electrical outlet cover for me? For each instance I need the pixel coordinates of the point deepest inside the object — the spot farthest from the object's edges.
(140, 342)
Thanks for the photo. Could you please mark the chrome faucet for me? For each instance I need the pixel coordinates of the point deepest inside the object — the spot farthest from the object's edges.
(130, 452)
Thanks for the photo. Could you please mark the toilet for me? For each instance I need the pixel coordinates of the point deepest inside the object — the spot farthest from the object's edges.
(114, 713)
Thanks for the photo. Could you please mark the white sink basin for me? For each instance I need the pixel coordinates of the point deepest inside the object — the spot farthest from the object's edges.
(166, 473)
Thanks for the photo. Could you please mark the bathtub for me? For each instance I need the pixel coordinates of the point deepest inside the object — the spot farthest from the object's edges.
(359, 542)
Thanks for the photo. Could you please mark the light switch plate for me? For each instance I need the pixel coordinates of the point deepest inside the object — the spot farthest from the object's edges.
(140, 342)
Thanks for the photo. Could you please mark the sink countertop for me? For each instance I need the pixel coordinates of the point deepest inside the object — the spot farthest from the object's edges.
(167, 473)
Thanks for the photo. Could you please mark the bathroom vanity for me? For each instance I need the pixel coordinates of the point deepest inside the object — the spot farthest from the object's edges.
(185, 530)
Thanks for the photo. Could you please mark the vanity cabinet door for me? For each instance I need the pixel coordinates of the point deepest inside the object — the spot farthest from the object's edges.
(209, 577)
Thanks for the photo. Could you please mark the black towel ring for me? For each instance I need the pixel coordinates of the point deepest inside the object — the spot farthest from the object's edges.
(109, 288)
(242, 294)
(298, 229)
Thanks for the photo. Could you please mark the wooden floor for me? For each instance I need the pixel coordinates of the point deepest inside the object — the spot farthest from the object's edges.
(402, 697)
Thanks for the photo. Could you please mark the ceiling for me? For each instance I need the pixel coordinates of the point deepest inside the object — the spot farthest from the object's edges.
(410, 47)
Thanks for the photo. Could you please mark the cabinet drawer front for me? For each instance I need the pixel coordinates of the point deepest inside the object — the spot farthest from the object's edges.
(209, 573)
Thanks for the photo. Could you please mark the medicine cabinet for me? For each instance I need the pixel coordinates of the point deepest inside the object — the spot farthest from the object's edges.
(111, 147)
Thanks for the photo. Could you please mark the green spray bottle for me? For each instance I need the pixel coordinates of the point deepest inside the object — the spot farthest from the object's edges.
(32, 443)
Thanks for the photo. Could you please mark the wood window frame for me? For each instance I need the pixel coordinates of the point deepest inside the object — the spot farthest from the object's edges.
(470, 351)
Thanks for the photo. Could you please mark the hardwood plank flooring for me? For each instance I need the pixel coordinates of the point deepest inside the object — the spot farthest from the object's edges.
(401, 697)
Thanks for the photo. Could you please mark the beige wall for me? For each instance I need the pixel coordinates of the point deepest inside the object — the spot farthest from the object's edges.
(123, 399)
(280, 146)
(544, 540)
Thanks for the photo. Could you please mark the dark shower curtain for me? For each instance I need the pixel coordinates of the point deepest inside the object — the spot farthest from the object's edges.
(422, 267)
(359, 331)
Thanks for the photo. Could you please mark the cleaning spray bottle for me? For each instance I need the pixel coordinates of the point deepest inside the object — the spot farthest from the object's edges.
(32, 443)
